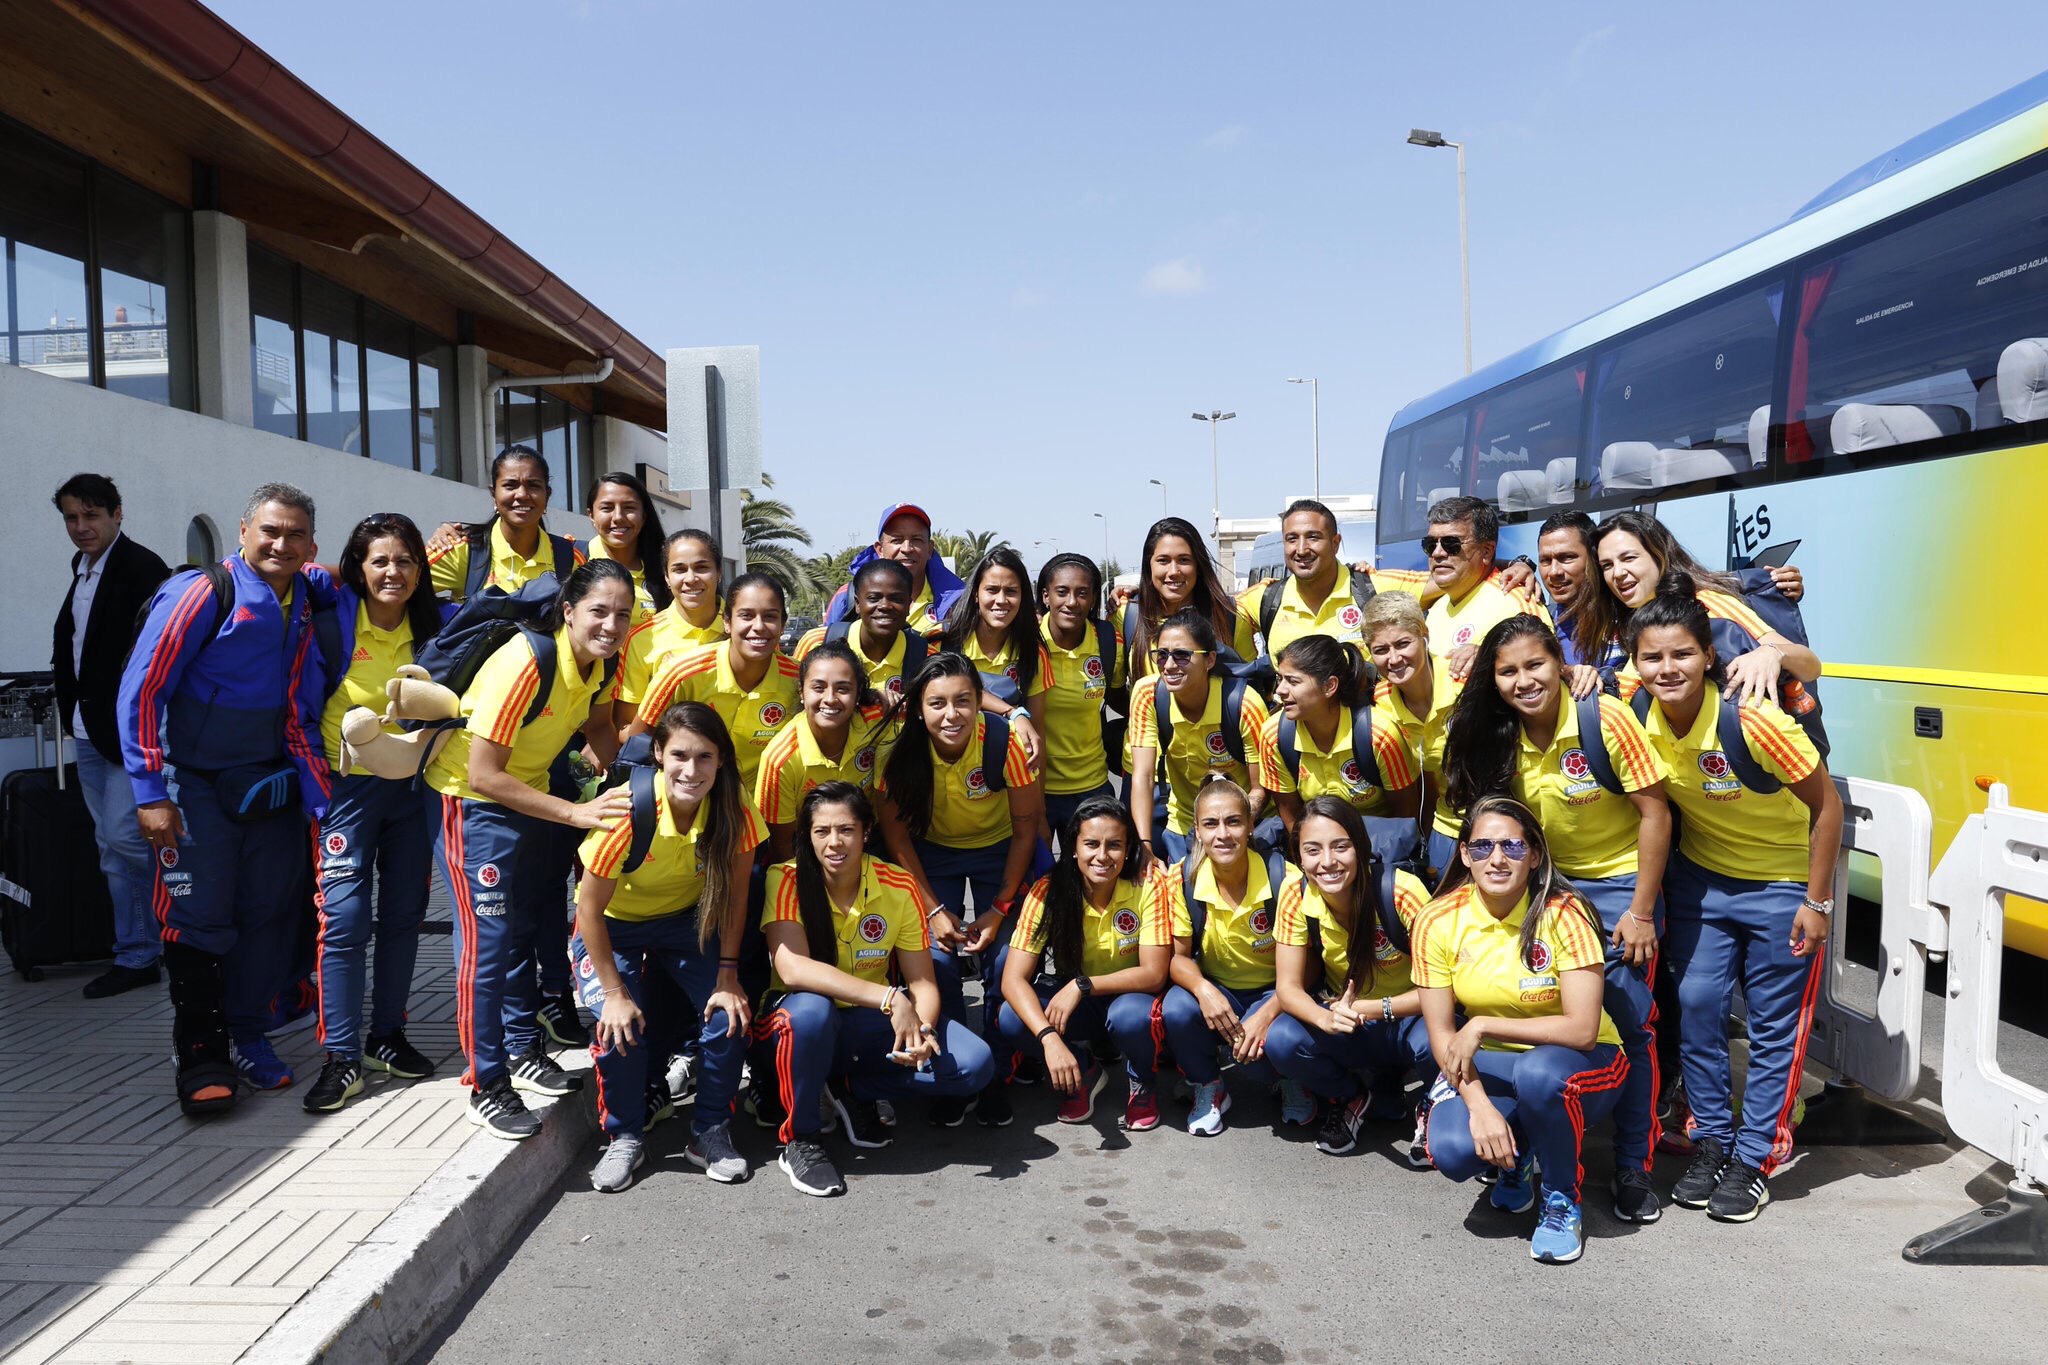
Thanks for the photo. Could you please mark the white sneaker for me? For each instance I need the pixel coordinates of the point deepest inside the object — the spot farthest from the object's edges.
(1297, 1106)
(681, 1080)
(615, 1168)
(1211, 1103)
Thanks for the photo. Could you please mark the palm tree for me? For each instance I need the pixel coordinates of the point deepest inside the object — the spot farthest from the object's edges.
(770, 535)
(966, 548)
(824, 575)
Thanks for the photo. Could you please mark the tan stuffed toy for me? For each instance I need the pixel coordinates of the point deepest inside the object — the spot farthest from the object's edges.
(367, 746)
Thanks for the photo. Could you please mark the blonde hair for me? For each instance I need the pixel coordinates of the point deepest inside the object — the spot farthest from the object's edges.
(1394, 611)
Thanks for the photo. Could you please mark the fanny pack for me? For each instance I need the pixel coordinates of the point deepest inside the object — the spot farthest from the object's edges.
(254, 792)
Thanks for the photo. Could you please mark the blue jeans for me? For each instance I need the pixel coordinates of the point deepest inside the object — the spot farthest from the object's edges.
(953, 873)
(1329, 1063)
(375, 831)
(124, 857)
(486, 852)
(808, 1038)
(1132, 1021)
(1195, 1044)
(1059, 809)
(1170, 848)
(1549, 1096)
(1631, 1004)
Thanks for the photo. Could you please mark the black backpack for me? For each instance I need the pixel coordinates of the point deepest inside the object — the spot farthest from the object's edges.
(1734, 744)
(1198, 910)
(1361, 747)
(480, 559)
(1269, 602)
(1231, 716)
(1800, 699)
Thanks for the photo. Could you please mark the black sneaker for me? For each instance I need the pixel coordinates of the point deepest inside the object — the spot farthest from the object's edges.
(1341, 1122)
(1696, 1187)
(118, 980)
(341, 1080)
(535, 1071)
(948, 1111)
(993, 1109)
(660, 1104)
(858, 1119)
(1635, 1198)
(764, 1101)
(391, 1052)
(1029, 1071)
(809, 1169)
(498, 1110)
(559, 1018)
(1740, 1194)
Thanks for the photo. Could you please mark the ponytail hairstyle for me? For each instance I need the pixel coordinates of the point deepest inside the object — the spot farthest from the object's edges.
(1606, 616)
(1362, 916)
(477, 532)
(1324, 658)
(814, 904)
(1481, 741)
(1022, 636)
(1207, 598)
(579, 585)
(1069, 560)
(652, 542)
(1548, 889)
(422, 611)
(908, 775)
(725, 818)
(1221, 789)
(1066, 890)
(1677, 603)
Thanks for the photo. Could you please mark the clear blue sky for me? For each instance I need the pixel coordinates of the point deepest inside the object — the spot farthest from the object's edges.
(995, 256)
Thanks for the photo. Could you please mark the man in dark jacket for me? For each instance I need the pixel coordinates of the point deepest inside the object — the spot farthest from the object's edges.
(112, 578)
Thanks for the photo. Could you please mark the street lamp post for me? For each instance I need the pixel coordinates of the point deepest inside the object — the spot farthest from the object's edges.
(1162, 494)
(1215, 477)
(1315, 428)
(1104, 519)
(1424, 137)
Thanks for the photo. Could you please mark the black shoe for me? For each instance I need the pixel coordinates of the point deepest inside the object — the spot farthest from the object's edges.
(1740, 1195)
(1028, 1071)
(1341, 1122)
(535, 1071)
(948, 1111)
(1635, 1198)
(858, 1119)
(498, 1110)
(765, 1103)
(993, 1109)
(391, 1052)
(809, 1169)
(660, 1104)
(341, 1080)
(118, 980)
(559, 1019)
(1696, 1187)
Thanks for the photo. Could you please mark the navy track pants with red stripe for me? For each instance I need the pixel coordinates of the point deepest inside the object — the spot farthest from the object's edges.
(1549, 1095)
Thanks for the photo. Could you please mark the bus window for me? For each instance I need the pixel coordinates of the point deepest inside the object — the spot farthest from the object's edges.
(1422, 464)
(1677, 407)
(1528, 443)
(1929, 339)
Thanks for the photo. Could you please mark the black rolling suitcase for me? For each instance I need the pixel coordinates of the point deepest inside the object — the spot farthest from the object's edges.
(54, 905)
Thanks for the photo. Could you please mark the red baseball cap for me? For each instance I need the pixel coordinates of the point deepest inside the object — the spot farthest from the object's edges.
(902, 509)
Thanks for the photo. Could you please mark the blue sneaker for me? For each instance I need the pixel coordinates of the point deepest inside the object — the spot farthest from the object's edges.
(1560, 1234)
(259, 1063)
(1297, 1106)
(1515, 1191)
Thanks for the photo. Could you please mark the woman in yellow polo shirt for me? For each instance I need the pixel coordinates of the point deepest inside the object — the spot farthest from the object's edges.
(1600, 798)
(1177, 574)
(1418, 696)
(1536, 1061)
(836, 737)
(843, 929)
(961, 812)
(1223, 969)
(629, 531)
(1102, 920)
(746, 678)
(513, 547)
(1749, 891)
(1349, 1013)
(888, 649)
(1201, 744)
(1310, 746)
(1084, 660)
(529, 697)
(692, 616)
(679, 910)
(994, 625)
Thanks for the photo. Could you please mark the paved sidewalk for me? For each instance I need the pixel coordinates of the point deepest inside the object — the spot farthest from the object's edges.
(128, 1232)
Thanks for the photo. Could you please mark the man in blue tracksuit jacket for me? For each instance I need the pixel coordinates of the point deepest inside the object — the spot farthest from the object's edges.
(219, 720)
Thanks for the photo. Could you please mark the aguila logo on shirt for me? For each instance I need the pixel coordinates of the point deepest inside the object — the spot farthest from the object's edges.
(487, 875)
(872, 928)
(1262, 920)
(336, 845)
(1126, 923)
(1350, 617)
(772, 714)
(1539, 956)
(976, 781)
(168, 857)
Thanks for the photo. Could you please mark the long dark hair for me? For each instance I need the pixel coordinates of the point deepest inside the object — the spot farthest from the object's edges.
(757, 580)
(821, 934)
(908, 775)
(1604, 616)
(1066, 890)
(652, 540)
(1324, 658)
(421, 609)
(478, 532)
(1207, 597)
(1484, 732)
(1677, 603)
(724, 822)
(1022, 636)
(1362, 916)
(579, 585)
(1548, 888)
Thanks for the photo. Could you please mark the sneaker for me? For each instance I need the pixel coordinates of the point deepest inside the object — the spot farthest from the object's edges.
(1515, 1191)
(1211, 1102)
(1635, 1198)
(764, 1102)
(259, 1063)
(341, 1080)
(1079, 1107)
(948, 1111)
(1696, 1187)
(1029, 1071)
(682, 1076)
(1674, 1118)
(535, 1071)
(884, 1111)
(498, 1110)
(1740, 1195)
(809, 1170)
(1418, 1141)
(391, 1052)
(1339, 1133)
(559, 1018)
(1297, 1106)
(1560, 1234)
(1141, 1110)
(615, 1166)
(857, 1118)
(118, 980)
(992, 1108)
(712, 1151)
(295, 1008)
(660, 1104)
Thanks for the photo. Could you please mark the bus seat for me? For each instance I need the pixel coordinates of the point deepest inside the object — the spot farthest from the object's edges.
(1682, 465)
(1760, 436)
(1873, 426)
(1437, 495)
(1522, 490)
(2023, 380)
(1562, 475)
(1988, 413)
(1627, 465)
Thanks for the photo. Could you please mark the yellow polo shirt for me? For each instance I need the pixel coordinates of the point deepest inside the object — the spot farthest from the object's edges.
(1337, 772)
(793, 763)
(753, 716)
(885, 674)
(1453, 625)
(1237, 942)
(670, 879)
(378, 655)
(1301, 901)
(1727, 828)
(965, 812)
(1079, 680)
(659, 641)
(1197, 749)
(1425, 734)
(1592, 832)
(1461, 947)
(887, 916)
(510, 570)
(496, 704)
(1111, 935)
(1338, 617)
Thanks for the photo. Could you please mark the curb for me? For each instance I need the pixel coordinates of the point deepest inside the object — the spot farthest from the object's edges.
(400, 1285)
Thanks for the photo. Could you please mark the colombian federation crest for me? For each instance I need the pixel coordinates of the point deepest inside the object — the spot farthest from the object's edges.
(864, 761)
(335, 844)
(167, 858)
(1350, 617)
(1353, 777)
(1126, 923)
(1217, 748)
(1091, 668)
(487, 875)
(1721, 782)
(1262, 920)
(872, 928)
(1539, 956)
(772, 714)
(977, 782)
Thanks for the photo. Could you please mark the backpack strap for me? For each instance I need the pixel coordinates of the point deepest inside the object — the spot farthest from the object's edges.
(1362, 590)
(1131, 632)
(838, 629)
(646, 817)
(1105, 646)
(1640, 704)
(479, 563)
(1290, 750)
(1162, 713)
(565, 556)
(1390, 913)
(221, 579)
(1269, 609)
(327, 639)
(1362, 751)
(916, 649)
(1741, 758)
(1233, 717)
(995, 751)
(1593, 744)
(1198, 909)
(544, 658)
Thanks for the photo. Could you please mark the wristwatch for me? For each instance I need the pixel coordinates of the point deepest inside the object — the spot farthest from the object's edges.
(1825, 909)
(1085, 985)
(1019, 713)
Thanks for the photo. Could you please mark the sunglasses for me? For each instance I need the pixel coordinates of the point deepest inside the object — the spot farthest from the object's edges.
(1482, 849)
(1182, 657)
(1450, 545)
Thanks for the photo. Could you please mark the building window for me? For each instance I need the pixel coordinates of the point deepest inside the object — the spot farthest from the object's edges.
(433, 404)
(145, 289)
(387, 386)
(274, 342)
(332, 365)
